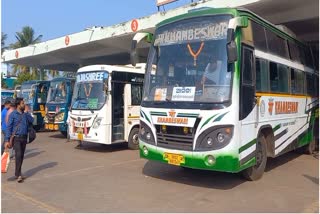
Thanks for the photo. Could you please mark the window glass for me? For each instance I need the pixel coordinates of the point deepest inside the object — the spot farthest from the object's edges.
(259, 37)
(278, 78)
(277, 45)
(310, 85)
(247, 66)
(297, 82)
(294, 52)
(136, 94)
(262, 77)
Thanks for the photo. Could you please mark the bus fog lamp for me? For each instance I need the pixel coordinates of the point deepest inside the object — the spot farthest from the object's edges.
(210, 160)
(221, 137)
(145, 150)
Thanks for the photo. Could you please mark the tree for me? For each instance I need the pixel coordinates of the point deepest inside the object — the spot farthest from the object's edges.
(22, 77)
(3, 39)
(3, 83)
(24, 38)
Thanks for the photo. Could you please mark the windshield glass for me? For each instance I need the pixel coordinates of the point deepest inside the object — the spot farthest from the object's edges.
(90, 90)
(57, 92)
(27, 93)
(191, 62)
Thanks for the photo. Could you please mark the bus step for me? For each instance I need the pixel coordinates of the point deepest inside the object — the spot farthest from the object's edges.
(117, 136)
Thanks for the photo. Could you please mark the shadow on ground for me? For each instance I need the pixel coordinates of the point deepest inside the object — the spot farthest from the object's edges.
(209, 179)
(101, 148)
(35, 170)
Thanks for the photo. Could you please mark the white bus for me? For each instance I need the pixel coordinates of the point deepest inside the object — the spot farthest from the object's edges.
(105, 105)
(229, 91)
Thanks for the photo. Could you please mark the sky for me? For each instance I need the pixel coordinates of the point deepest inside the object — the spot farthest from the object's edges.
(57, 18)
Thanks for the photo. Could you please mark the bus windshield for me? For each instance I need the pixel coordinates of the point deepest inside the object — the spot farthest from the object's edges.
(27, 93)
(57, 92)
(191, 62)
(89, 91)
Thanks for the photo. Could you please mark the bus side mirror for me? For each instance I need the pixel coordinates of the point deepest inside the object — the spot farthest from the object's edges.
(232, 52)
(134, 54)
(231, 46)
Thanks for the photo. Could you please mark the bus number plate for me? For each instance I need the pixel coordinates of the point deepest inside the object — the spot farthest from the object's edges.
(174, 159)
(80, 136)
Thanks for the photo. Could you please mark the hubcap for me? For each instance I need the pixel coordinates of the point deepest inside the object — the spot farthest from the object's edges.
(259, 155)
(135, 139)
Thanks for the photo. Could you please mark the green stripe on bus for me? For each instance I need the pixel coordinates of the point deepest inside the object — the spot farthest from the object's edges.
(146, 117)
(220, 117)
(187, 115)
(276, 127)
(157, 113)
(207, 121)
(247, 145)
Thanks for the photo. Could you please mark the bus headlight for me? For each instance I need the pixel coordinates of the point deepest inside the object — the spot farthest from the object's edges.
(214, 138)
(145, 133)
(45, 119)
(97, 123)
(59, 117)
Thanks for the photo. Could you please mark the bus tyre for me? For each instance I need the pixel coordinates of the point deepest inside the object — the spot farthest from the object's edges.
(310, 148)
(255, 172)
(133, 142)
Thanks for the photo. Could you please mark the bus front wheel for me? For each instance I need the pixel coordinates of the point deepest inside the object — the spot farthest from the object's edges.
(255, 172)
(133, 142)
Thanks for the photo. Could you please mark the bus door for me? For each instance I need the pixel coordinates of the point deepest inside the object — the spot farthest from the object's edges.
(132, 100)
(248, 114)
(117, 111)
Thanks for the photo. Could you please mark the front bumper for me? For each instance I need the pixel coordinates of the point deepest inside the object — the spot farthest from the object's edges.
(197, 160)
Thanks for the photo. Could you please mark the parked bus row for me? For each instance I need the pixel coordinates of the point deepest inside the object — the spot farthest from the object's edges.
(222, 90)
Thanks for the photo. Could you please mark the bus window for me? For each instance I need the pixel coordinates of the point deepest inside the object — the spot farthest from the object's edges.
(310, 85)
(262, 77)
(297, 82)
(279, 78)
(136, 94)
(259, 37)
(277, 45)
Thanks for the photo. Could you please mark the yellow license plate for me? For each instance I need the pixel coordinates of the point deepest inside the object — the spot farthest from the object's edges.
(80, 136)
(174, 159)
(51, 126)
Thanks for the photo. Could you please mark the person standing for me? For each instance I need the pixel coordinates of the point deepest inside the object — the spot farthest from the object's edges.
(18, 123)
(3, 123)
(10, 110)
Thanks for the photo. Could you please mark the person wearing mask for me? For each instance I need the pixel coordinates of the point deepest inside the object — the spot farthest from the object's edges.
(3, 123)
(18, 123)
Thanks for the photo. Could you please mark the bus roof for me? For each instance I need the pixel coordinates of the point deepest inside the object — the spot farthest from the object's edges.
(140, 68)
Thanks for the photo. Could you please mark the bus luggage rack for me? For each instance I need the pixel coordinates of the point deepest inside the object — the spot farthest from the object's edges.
(179, 140)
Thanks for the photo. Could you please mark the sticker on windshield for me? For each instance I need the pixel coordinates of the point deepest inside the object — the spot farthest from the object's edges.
(183, 93)
(93, 103)
(160, 94)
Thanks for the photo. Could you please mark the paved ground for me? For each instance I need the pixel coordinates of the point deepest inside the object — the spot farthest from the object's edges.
(114, 179)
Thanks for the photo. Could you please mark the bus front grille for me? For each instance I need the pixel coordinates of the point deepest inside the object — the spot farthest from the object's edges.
(174, 138)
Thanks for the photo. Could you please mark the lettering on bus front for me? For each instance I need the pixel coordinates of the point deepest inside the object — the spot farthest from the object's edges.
(172, 120)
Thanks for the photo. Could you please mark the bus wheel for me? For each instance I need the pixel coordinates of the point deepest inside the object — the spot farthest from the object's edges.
(37, 128)
(310, 148)
(133, 142)
(255, 172)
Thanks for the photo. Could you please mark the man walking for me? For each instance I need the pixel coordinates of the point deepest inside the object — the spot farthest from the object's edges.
(17, 127)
